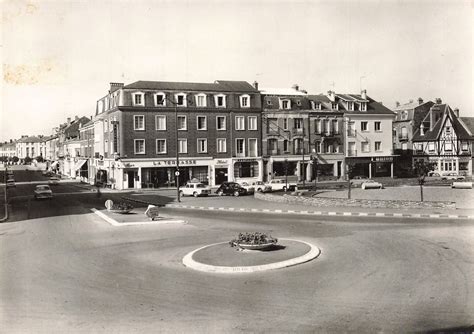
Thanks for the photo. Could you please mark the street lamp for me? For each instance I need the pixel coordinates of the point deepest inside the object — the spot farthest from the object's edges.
(286, 174)
(176, 173)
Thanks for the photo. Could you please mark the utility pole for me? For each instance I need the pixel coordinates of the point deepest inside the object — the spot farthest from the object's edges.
(176, 173)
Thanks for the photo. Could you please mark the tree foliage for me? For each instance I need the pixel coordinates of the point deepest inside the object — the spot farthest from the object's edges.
(421, 169)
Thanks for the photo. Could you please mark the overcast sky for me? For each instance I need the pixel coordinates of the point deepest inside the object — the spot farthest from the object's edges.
(60, 56)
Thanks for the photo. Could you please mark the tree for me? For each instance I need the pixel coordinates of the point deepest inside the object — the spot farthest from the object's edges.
(39, 158)
(27, 160)
(350, 167)
(15, 159)
(421, 169)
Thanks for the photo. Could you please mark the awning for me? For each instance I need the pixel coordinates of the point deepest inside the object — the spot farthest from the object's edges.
(79, 164)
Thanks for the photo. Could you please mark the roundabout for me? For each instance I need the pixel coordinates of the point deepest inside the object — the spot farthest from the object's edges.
(221, 258)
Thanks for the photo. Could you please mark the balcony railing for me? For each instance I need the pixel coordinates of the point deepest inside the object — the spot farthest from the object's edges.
(351, 133)
(274, 132)
(297, 132)
(403, 137)
(351, 153)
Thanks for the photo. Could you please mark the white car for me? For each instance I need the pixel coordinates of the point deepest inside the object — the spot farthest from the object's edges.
(279, 184)
(43, 191)
(261, 187)
(371, 184)
(11, 183)
(452, 176)
(250, 189)
(195, 189)
(53, 180)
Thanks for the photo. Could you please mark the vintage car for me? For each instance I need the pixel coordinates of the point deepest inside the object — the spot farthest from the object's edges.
(195, 189)
(371, 184)
(261, 187)
(11, 183)
(43, 191)
(279, 184)
(231, 188)
(250, 189)
(54, 180)
(451, 176)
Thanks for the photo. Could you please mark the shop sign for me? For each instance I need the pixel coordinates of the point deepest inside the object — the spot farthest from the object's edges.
(245, 160)
(383, 159)
(221, 162)
(173, 162)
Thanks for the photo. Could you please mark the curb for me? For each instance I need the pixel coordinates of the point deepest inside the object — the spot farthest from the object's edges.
(188, 261)
(321, 213)
(113, 222)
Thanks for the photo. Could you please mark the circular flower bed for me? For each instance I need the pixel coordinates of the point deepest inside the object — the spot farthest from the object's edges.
(122, 207)
(253, 241)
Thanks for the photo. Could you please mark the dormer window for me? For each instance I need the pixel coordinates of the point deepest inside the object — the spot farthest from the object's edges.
(220, 100)
(160, 100)
(201, 100)
(350, 106)
(334, 106)
(404, 115)
(180, 99)
(363, 106)
(245, 101)
(285, 104)
(317, 105)
(138, 99)
(298, 102)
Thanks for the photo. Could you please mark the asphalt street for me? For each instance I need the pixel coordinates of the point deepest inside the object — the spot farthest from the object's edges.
(64, 269)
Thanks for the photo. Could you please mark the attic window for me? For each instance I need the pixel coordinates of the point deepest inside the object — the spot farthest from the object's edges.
(269, 102)
(180, 99)
(363, 106)
(298, 102)
(350, 106)
(138, 99)
(334, 106)
(317, 105)
(285, 104)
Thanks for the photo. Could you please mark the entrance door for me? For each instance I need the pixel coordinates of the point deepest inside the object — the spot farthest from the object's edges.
(221, 175)
(131, 179)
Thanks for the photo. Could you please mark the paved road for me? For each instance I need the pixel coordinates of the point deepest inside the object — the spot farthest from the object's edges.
(66, 270)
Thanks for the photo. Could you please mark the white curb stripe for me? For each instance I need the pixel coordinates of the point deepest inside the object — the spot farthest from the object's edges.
(113, 222)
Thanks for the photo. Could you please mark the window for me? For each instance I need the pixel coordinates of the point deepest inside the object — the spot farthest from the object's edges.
(180, 99)
(139, 145)
(317, 146)
(378, 146)
(363, 126)
(221, 145)
(138, 99)
(201, 100)
(465, 146)
(160, 122)
(160, 146)
(448, 130)
(252, 122)
(139, 122)
(363, 106)
(269, 102)
(160, 100)
(182, 146)
(328, 127)
(298, 102)
(252, 147)
(298, 123)
(316, 105)
(285, 104)
(335, 126)
(285, 146)
(377, 126)
(239, 122)
(220, 100)
(328, 147)
(448, 146)
(365, 146)
(404, 146)
(201, 123)
(182, 123)
(350, 106)
(202, 145)
(285, 123)
(245, 101)
(431, 147)
(220, 123)
(334, 106)
(317, 125)
(240, 147)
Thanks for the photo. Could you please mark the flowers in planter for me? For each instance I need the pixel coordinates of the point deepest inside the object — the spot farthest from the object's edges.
(255, 238)
(122, 206)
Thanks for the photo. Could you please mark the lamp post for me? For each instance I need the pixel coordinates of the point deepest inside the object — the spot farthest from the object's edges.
(286, 174)
(176, 173)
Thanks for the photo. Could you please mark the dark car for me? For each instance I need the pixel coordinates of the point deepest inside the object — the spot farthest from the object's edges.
(231, 188)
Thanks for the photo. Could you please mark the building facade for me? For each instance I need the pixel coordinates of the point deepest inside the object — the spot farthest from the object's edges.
(214, 128)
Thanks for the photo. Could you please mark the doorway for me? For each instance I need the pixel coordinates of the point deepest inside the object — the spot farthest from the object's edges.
(221, 175)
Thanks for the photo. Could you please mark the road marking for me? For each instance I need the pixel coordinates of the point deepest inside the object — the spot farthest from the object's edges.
(115, 223)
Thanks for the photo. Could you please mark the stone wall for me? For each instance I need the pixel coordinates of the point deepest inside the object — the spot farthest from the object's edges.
(359, 203)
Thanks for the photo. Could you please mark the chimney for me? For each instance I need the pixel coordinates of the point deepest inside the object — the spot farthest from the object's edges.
(432, 119)
(422, 130)
(76, 117)
(363, 94)
(255, 85)
(420, 100)
(331, 96)
(456, 112)
(397, 104)
(68, 120)
(115, 86)
(296, 87)
(438, 100)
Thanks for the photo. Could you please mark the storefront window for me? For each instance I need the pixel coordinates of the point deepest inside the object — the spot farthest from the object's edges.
(246, 169)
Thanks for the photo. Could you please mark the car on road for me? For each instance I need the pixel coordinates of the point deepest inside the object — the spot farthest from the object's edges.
(54, 180)
(359, 179)
(433, 173)
(452, 176)
(371, 184)
(195, 189)
(231, 188)
(250, 189)
(43, 191)
(261, 187)
(11, 183)
(48, 173)
(280, 184)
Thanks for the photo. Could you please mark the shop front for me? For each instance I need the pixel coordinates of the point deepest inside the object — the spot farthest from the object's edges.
(247, 169)
(370, 166)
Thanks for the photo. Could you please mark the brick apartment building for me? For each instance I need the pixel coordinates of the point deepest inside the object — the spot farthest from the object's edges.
(216, 128)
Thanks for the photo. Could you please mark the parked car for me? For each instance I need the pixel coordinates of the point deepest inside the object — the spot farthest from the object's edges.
(11, 183)
(48, 173)
(43, 191)
(433, 173)
(195, 189)
(261, 187)
(54, 180)
(250, 189)
(371, 184)
(279, 184)
(359, 179)
(452, 176)
(231, 188)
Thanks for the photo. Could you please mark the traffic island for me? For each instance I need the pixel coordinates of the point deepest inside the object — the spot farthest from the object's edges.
(134, 217)
(222, 258)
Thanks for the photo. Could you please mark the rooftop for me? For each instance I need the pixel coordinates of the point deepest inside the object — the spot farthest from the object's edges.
(217, 86)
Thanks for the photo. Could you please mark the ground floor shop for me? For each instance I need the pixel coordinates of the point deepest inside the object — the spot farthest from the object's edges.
(461, 165)
(370, 166)
(161, 173)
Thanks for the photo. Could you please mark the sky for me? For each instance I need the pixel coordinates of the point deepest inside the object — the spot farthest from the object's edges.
(58, 57)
